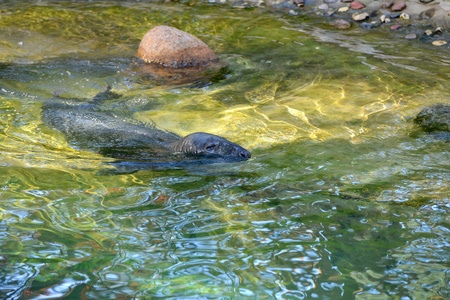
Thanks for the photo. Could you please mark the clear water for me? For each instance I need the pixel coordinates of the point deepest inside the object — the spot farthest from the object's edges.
(343, 198)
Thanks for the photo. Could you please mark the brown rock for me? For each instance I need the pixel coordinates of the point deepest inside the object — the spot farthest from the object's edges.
(398, 7)
(341, 24)
(171, 47)
(357, 5)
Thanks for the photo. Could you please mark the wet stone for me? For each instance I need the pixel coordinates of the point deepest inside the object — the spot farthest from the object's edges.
(427, 14)
(426, 1)
(346, 1)
(330, 1)
(434, 118)
(439, 43)
(322, 7)
(170, 47)
(299, 3)
(411, 36)
(343, 9)
(395, 15)
(398, 7)
(357, 5)
(341, 24)
(429, 32)
(385, 19)
(387, 4)
(404, 16)
(396, 27)
(360, 17)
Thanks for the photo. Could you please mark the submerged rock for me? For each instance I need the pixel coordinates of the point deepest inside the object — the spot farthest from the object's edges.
(357, 5)
(387, 4)
(427, 14)
(370, 25)
(434, 118)
(341, 24)
(439, 43)
(170, 47)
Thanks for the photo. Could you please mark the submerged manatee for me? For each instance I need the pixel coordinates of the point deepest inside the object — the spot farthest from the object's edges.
(86, 127)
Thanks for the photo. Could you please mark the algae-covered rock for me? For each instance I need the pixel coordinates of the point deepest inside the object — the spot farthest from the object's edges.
(434, 118)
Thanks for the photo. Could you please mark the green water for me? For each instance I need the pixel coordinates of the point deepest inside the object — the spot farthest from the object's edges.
(343, 198)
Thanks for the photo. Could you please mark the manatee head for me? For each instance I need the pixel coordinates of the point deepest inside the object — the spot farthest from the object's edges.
(205, 143)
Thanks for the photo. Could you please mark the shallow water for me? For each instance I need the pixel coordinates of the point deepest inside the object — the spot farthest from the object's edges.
(343, 198)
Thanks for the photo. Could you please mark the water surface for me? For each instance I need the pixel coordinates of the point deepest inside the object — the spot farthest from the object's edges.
(344, 196)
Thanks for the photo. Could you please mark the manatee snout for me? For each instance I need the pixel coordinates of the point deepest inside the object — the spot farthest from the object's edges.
(205, 143)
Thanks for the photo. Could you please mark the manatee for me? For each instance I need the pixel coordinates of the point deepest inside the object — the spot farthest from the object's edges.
(86, 127)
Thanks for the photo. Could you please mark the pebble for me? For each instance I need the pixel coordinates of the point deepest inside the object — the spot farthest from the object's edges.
(429, 32)
(341, 24)
(346, 1)
(396, 15)
(360, 17)
(370, 25)
(396, 27)
(299, 3)
(439, 43)
(322, 7)
(438, 30)
(385, 19)
(330, 1)
(387, 4)
(427, 14)
(404, 16)
(357, 5)
(410, 36)
(398, 7)
(343, 9)
(426, 1)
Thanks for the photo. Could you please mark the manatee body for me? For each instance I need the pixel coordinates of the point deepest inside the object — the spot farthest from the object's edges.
(114, 136)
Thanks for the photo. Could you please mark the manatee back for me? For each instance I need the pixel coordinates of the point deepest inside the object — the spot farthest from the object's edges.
(96, 130)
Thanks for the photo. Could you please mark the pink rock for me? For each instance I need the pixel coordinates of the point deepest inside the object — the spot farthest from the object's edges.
(170, 47)
(396, 26)
(357, 5)
(398, 7)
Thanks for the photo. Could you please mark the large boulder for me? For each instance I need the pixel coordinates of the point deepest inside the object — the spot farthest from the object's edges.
(434, 118)
(170, 47)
